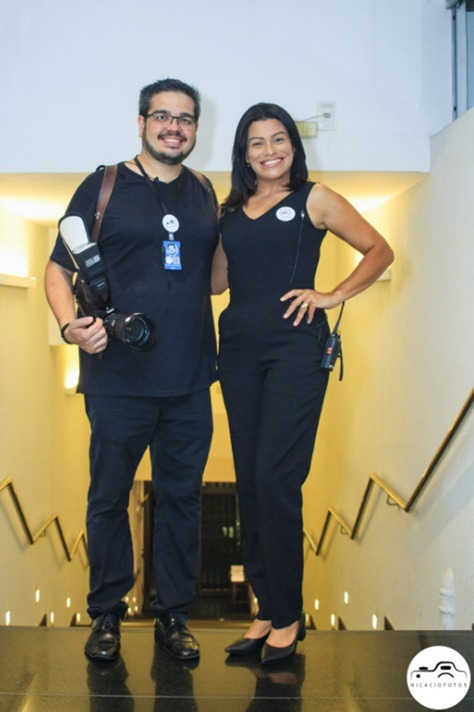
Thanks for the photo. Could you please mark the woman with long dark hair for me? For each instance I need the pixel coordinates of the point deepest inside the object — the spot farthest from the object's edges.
(272, 339)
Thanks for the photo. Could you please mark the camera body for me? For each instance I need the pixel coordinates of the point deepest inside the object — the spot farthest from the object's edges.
(92, 289)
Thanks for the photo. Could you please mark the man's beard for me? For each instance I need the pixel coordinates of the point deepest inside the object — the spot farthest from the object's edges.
(171, 160)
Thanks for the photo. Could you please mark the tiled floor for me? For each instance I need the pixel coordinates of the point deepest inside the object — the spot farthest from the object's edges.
(45, 670)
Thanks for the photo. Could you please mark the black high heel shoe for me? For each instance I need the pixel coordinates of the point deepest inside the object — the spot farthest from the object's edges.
(247, 646)
(272, 655)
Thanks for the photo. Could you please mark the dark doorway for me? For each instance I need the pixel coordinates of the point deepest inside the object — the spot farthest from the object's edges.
(221, 592)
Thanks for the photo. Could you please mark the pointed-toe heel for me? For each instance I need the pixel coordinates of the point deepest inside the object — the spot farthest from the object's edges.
(246, 646)
(272, 655)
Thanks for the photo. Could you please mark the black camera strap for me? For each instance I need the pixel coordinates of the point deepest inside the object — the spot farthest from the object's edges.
(152, 183)
(336, 326)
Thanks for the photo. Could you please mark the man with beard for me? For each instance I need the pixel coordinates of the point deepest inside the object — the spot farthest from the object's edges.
(157, 239)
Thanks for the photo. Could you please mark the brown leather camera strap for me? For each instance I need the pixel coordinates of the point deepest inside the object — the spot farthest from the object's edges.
(106, 188)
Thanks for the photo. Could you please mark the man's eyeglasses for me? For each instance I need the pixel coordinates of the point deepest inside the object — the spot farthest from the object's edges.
(164, 119)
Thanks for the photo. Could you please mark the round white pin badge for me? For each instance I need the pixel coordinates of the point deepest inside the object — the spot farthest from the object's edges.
(285, 213)
(170, 223)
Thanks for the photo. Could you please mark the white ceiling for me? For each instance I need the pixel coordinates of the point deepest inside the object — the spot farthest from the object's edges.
(43, 198)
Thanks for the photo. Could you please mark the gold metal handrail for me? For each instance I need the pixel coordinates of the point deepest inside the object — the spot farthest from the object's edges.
(392, 497)
(7, 484)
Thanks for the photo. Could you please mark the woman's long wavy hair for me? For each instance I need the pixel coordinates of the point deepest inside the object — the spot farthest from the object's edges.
(243, 184)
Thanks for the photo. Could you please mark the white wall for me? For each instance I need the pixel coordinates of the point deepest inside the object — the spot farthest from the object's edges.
(71, 73)
(408, 355)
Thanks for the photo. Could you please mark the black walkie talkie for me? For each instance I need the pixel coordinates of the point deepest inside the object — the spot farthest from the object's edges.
(333, 348)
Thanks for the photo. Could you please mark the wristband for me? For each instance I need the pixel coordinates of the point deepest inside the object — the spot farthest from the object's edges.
(63, 329)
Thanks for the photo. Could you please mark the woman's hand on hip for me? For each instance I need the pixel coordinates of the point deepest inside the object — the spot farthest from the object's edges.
(304, 303)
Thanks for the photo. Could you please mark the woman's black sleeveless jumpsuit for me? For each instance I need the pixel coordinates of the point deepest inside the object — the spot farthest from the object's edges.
(273, 389)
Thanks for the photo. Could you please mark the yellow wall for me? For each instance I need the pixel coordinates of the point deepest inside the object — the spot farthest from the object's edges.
(43, 444)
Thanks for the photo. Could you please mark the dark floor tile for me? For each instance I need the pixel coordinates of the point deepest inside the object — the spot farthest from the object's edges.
(44, 669)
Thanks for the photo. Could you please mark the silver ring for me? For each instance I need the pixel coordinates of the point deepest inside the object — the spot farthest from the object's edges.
(303, 305)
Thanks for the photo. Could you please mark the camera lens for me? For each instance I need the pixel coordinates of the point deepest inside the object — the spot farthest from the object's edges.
(134, 330)
(137, 328)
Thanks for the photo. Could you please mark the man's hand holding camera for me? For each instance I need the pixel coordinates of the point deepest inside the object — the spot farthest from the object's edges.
(92, 332)
(88, 333)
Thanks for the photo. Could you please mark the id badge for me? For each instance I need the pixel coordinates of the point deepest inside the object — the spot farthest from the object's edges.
(172, 254)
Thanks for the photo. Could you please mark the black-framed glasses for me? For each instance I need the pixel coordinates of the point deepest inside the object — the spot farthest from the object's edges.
(164, 119)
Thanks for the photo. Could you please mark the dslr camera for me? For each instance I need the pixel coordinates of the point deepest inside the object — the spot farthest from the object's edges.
(92, 289)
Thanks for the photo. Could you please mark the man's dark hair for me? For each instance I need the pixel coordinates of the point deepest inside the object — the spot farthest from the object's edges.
(148, 92)
(243, 177)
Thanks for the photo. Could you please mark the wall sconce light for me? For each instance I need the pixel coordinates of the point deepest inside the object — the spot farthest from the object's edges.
(325, 120)
(70, 383)
(71, 377)
(307, 128)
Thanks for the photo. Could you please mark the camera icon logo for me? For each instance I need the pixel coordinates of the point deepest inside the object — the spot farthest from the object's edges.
(438, 678)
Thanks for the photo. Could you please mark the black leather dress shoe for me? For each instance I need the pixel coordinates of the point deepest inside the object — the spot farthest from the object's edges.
(177, 639)
(104, 641)
(272, 655)
(246, 646)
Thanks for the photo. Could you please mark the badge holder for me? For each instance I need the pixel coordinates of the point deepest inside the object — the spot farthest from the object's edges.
(171, 248)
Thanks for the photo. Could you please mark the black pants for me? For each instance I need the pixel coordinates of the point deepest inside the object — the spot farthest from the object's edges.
(178, 431)
(273, 389)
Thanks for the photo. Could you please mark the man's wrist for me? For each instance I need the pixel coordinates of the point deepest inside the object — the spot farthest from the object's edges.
(63, 333)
